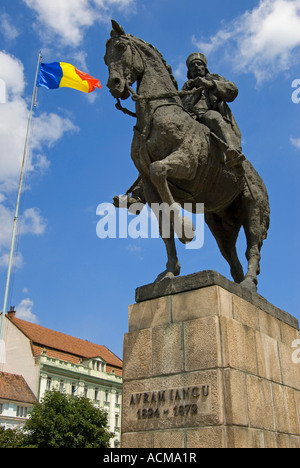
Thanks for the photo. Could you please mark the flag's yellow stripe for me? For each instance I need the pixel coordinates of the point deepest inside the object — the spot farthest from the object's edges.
(71, 79)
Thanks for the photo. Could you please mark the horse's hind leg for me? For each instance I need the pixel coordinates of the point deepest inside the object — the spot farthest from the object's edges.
(253, 230)
(225, 231)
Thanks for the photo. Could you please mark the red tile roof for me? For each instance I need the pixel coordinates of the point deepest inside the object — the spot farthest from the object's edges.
(54, 353)
(13, 387)
(78, 348)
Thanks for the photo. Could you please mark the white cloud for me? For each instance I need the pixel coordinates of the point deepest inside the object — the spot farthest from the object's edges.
(13, 121)
(7, 27)
(18, 260)
(295, 142)
(180, 71)
(12, 72)
(80, 59)
(262, 41)
(24, 311)
(6, 220)
(70, 19)
(32, 222)
(48, 129)
(215, 42)
(6, 225)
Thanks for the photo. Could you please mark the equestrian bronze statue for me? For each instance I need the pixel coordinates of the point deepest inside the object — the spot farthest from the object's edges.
(186, 148)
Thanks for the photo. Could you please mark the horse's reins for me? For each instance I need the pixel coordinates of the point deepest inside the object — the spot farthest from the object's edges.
(137, 97)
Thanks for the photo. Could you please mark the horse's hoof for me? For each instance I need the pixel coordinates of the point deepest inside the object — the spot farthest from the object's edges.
(188, 231)
(250, 284)
(164, 275)
(120, 201)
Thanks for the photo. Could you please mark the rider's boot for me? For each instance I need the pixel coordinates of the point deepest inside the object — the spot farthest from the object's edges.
(234, 159)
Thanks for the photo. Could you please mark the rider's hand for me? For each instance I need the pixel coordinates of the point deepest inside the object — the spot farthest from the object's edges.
(190, 84)
(203, 83)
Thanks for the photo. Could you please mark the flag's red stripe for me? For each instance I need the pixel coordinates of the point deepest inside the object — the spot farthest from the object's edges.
(92, 82)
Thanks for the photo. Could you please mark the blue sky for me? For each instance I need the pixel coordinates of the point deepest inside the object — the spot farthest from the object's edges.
(64, 276)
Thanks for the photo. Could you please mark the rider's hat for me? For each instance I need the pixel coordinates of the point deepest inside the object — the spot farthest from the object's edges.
(196, 56)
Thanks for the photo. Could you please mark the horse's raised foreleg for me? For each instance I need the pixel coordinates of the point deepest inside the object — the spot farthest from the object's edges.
(153, 200)
(173, 265)
(177, 167)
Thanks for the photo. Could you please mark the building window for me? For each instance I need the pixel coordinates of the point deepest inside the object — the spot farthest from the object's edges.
(117, 398)
(98, 366)
(61, 386)
(96, 394)
(49, 383)
(117, 420)
(106, 396)
(1, 408)
(21, 411)
(85, 392)
(73, 390)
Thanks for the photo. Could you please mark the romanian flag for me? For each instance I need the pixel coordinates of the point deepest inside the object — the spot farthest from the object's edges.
(59, 75)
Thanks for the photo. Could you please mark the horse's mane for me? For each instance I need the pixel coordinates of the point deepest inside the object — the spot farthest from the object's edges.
(167, 66)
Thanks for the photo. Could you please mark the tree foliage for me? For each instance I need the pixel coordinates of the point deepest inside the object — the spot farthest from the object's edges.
(65, 421)
(11, 438)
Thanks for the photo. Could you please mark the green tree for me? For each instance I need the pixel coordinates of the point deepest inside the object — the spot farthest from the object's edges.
(11, 438)
(64, 421)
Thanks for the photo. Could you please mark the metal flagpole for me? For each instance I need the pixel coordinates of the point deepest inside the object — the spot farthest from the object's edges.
(2, 346)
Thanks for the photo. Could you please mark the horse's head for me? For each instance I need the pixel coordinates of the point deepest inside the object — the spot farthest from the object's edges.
(124, 62)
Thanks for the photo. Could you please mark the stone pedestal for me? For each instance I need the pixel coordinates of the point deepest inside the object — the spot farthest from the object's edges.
(209, 365)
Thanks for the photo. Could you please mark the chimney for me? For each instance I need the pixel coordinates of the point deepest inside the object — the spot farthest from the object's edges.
(11, 313)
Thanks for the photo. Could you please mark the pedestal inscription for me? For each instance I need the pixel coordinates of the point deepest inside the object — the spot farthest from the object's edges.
(172, 402)
(177, 403)
(158, 403)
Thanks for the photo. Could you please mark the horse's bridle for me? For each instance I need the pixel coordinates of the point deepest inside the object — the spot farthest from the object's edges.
(137, 97)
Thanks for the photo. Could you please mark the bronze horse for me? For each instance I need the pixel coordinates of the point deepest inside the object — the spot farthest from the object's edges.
(180, 161)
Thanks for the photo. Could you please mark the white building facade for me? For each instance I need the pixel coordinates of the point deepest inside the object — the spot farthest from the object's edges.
(89, 379)
(13, 414)
(16, 400)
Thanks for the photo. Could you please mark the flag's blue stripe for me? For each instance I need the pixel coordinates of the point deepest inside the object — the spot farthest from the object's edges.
(50, 75)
